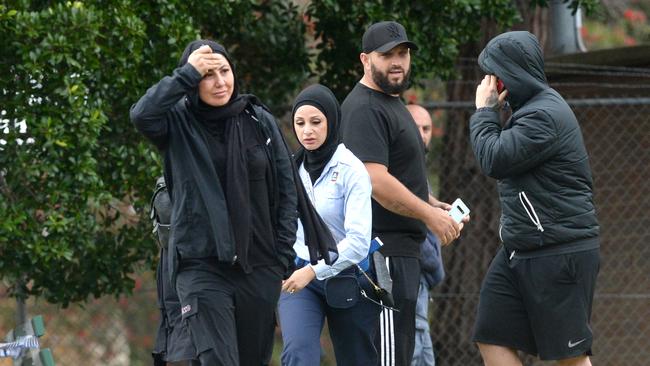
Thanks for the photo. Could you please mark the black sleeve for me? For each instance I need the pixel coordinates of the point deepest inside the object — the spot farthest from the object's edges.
(366, 132)
(287, 219)
(150, 113)
(531, 140)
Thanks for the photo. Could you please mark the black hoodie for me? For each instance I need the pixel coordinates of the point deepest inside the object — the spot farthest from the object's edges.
(539, 157)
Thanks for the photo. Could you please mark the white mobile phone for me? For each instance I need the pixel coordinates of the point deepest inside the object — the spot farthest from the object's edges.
(458, 210)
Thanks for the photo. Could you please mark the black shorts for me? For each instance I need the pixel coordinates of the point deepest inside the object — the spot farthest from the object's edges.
(539, 305)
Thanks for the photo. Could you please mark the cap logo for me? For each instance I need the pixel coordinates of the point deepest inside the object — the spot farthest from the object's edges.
(393, 31)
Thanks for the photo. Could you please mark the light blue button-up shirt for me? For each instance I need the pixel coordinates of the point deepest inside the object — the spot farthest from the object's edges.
(342, 197)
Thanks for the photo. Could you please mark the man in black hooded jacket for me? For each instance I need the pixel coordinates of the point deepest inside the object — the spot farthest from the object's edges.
(538, 292)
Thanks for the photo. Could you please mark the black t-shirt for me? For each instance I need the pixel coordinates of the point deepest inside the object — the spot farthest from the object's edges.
(378, 128)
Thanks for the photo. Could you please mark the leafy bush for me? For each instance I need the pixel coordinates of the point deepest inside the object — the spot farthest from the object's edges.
(72, 167)
(75, 177)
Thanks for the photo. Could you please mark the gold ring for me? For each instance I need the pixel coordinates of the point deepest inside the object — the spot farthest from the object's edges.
(292, 291)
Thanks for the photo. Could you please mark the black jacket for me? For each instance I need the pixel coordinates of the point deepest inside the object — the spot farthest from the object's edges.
(200, 223)
(539, 157)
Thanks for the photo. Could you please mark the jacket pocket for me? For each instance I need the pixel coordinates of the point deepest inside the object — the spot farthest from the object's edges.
(522, 226)
(333, 190)
(190, 228)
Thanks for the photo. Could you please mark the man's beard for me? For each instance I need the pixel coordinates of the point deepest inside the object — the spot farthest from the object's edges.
(386, 85)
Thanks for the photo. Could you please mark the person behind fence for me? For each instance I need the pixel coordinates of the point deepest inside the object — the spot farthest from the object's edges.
(233, 196)
(432, 270)
(537, 294)
(379, 130)
(339, 187)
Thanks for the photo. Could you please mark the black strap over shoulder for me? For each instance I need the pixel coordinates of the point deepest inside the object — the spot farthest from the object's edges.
(161, 212)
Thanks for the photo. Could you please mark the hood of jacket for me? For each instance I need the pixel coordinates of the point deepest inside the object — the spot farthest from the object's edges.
(516, 58)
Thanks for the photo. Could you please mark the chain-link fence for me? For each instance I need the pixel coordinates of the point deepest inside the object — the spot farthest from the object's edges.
(613, 107)
(106, 331)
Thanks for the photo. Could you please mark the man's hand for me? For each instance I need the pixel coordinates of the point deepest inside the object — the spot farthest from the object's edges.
(441, 224)
(445, 206)
(486, 94)
(435, 203)
(299, 279)
(203, 59)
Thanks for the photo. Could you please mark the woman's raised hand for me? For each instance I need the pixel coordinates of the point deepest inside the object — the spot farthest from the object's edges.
(203, 59)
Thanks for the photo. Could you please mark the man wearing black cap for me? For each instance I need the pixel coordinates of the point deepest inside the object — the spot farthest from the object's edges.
(380, 131)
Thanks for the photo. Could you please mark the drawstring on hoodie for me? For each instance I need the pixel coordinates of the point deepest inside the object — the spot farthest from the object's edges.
(531, 213)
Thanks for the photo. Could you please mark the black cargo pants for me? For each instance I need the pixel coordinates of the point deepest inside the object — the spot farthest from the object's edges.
(230, 315)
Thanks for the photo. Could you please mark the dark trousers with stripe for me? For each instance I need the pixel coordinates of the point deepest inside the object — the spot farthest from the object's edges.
(396, 336)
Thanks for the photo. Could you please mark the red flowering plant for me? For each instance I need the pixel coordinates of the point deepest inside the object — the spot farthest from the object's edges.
(629, 28)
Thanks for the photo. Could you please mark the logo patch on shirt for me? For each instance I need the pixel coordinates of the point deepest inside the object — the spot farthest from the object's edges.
(335, 176)
(186, 309)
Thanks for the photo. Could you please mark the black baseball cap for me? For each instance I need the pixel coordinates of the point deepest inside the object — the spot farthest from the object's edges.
(384, 36)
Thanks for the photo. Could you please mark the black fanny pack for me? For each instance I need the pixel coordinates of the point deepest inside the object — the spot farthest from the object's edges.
(343, 290)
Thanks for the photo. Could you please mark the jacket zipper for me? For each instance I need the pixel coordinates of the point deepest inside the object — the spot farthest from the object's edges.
(268, 149)
(530, 210)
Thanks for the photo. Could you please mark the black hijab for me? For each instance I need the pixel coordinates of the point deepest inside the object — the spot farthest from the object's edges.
(321, 97)
(227, 119)
(205, 113)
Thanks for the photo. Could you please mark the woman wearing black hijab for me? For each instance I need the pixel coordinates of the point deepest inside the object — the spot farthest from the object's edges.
(233, 197)
(339, 187)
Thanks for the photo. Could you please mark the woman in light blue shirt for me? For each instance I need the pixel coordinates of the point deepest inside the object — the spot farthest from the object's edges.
(339, 188)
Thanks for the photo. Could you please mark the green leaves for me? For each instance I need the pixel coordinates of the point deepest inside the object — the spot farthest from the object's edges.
(75, 177)
(51, 164)
(438, 26)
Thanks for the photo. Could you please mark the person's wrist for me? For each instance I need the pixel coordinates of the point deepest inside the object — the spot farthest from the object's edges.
(311, 270)
(431, 217)
(485, 109)
(191, 70)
